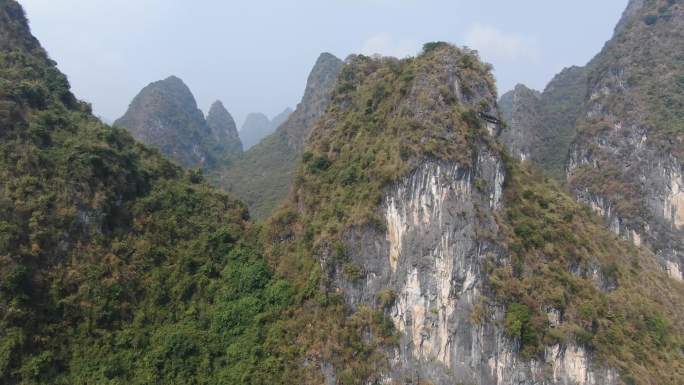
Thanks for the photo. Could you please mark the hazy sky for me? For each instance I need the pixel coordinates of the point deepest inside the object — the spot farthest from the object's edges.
(255, 55)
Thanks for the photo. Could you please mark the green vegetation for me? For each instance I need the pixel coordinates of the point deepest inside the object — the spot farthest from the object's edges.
(116, 267)
(560, 107)
(373, 133)
(519, 325)
(261, 177)
(614, 299)
(547, 122)
(648, 54)
(429, 47)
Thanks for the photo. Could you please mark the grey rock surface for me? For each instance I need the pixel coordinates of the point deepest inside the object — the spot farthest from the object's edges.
(223, 130)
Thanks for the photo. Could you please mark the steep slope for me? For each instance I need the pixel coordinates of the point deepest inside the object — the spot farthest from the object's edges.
(164, 115)
(116, 266)
(457, 264)
(542, 128)
(224, 131)
(627, 159)
(411, 250)
(520, 110)
(263, 175)
(562, 103)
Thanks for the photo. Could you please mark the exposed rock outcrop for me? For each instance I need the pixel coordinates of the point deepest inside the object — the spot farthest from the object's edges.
(520, 110)
(433, 259)
(429, 223)
(627, 159)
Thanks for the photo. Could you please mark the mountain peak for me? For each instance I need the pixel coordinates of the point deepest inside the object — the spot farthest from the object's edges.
(173, 79)
(217, 105)
(223, 129)
(165, 115)
(256, 117)
(326, 57)
(263, 176)
(255, 127)
(521, 88)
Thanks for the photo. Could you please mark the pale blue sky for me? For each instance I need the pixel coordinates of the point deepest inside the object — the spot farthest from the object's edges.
(255, 55)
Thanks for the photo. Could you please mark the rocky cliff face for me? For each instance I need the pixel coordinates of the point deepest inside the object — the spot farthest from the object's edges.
(262, 177)
(223, 130)
(541, 127)
(627, 160)
(433, 259)
(413, 211)
(164, 115)
(429, 263)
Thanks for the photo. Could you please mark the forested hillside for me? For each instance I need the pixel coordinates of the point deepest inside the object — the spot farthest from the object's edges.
(487, 270)
(116, 266)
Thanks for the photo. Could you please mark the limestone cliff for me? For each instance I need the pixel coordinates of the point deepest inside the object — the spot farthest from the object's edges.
(487, 272)
(627, 159)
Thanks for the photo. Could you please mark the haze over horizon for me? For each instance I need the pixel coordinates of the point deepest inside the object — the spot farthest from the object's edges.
(229, 51)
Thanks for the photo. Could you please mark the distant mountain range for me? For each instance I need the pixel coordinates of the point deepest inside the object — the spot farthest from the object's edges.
(262, 176)
(257, 126)
(165, 116)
